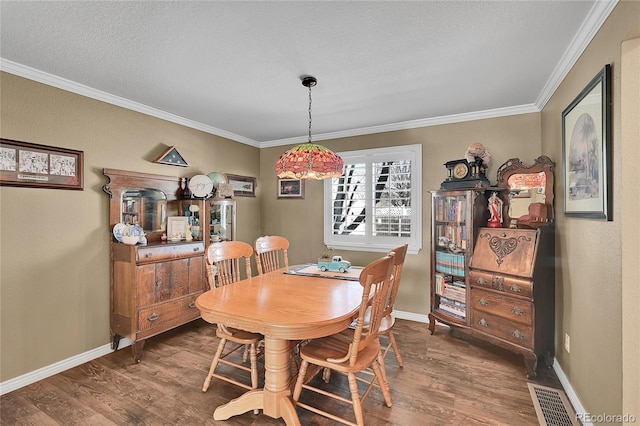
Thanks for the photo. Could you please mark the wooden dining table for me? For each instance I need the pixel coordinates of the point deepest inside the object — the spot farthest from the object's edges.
(282, 307)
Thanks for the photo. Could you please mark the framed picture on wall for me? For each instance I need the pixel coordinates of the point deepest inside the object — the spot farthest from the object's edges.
(243, 186)
(586, 150)
(40, 166)
(290, 188)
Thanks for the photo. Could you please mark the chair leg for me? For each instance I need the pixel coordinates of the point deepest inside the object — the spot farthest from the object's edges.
(355, 398)
(214, 364)
(392, 339)
(297, 390)
(382, 380)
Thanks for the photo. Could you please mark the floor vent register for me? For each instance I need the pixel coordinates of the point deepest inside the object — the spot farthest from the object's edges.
(552, 406)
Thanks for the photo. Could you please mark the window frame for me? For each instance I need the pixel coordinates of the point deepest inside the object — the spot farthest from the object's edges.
(372, 243)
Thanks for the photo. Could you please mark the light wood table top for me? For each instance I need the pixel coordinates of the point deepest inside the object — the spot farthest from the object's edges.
(282, 307)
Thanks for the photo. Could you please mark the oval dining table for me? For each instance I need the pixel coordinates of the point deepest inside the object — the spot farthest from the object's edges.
(281, 307)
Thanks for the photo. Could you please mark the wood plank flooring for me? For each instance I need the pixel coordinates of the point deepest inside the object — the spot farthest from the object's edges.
(447, 379)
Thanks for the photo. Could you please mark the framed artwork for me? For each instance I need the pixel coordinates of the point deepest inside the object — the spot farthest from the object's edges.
(177, 227)
(243, 186)
(290, 188)
(40, 166)
(586, 151)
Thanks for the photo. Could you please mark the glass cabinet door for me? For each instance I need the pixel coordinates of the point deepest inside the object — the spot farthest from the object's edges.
(222, 220)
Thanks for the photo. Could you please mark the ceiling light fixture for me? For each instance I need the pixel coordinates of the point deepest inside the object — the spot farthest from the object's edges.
(309, 160)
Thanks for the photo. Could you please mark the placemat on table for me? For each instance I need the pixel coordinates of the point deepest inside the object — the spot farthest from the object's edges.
(311, 270)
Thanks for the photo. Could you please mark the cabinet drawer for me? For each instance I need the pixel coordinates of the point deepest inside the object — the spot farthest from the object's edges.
(163, 313)
(169, 252)
(481, 279)
(509, 308)
(514, 332)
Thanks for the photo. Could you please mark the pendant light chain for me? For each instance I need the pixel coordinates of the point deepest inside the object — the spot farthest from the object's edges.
(310, 85)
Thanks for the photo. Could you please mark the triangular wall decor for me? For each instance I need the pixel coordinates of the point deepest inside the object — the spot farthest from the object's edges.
(171, 157)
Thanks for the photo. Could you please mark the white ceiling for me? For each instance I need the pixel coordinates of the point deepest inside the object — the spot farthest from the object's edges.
(233, 68)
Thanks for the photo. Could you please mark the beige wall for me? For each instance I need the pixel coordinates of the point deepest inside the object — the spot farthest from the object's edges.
(630, 152)
(54, 244)
(588, 278)
(301, 220)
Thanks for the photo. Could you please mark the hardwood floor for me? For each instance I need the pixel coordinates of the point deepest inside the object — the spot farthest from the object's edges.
(447, 379)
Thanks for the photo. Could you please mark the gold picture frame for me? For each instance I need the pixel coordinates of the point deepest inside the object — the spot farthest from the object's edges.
(291, 188)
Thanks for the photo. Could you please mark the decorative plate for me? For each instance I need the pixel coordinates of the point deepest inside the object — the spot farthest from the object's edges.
(136, 231)
(200, 186)
(119, 230)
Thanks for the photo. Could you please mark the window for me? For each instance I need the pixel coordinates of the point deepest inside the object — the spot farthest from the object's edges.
(376, 204)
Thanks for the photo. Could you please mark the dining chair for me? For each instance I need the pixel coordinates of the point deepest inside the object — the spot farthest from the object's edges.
(224, 265)
(269, 252)
(388, 320)
(354, 350)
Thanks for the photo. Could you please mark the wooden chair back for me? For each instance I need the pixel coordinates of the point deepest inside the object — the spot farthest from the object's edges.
(269, 252)
(398, 263)
(224, 261)
(375, 280)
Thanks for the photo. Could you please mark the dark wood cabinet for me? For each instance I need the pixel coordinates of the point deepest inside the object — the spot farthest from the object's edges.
(511, 279)
(456, 217)
(498, 284)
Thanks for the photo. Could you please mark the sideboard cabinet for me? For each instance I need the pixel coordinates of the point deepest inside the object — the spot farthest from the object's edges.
(153, 285)
(154, 289)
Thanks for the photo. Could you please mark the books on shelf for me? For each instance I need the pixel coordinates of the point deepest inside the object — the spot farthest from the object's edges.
(450, 263)
(449, 209)
(452, 310)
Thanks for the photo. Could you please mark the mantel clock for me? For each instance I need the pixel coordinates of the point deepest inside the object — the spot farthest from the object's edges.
(464, 174)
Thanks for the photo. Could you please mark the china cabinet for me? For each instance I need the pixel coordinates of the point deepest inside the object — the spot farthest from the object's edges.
(222, 220)
(153, 285)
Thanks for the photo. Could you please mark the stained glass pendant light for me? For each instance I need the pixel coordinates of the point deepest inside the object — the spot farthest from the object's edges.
(309, 160)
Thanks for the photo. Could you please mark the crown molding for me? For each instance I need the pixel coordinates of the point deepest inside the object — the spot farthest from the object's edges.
(587, 31)
(412, 124)
(80, 89)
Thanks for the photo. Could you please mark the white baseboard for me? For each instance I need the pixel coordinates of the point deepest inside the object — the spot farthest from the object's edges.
(58, 367)
(411, 316)
(571, 394)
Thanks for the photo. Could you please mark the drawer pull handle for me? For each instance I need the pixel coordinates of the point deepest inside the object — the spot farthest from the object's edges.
(483, 322)
(154, 316)
(517, 334)
(148, 255)
(516, 311)
(192, 305)
(483, 302)
(481, 281)
(196, 249)
(515, 288)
